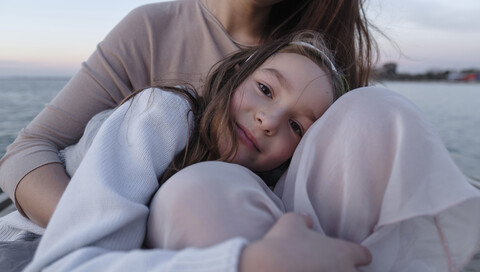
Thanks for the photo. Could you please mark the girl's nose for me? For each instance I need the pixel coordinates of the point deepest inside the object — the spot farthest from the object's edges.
(268, 122)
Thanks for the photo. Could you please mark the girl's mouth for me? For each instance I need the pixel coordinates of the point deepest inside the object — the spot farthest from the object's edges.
(246, 137)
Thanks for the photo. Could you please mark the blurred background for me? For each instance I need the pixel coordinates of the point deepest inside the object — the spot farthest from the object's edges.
(52, 37)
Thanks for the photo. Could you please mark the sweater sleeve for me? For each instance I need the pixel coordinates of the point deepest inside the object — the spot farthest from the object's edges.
(121, 63)
(100, 221)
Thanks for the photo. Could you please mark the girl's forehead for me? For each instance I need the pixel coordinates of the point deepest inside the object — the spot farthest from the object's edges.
(293, 67)
(290, 60)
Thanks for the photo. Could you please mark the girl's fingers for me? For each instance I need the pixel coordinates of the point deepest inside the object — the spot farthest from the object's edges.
(295, 221)
(308, 219)
(361, 255)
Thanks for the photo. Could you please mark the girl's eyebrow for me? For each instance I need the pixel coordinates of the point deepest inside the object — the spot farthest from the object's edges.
(283, 82)
(309, 113)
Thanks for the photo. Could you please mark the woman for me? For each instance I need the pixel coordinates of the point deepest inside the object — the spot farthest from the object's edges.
(286, 84)
(370, 170)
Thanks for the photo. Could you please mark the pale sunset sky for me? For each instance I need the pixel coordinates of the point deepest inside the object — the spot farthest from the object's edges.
(53, 37)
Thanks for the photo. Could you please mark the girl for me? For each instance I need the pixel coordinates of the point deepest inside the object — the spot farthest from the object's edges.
(259, 104)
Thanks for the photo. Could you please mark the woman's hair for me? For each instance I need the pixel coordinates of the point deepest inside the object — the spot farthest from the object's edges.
(344, 27)
(212, 111)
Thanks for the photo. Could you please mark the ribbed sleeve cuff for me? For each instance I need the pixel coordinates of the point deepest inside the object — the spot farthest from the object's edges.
(14, 227)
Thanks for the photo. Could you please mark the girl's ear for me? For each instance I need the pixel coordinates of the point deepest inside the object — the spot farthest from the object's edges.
(237, 67)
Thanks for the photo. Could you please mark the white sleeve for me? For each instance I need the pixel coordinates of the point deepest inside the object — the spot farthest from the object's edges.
(100, 221)
(71, 156)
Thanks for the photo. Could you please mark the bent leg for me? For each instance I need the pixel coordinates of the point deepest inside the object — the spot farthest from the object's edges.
(373, 171)
(208, 203)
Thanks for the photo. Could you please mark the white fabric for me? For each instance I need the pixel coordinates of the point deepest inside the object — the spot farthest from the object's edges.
(15, 227)
(100, 221)
(76, 152)
(373, 171)
(475, 182)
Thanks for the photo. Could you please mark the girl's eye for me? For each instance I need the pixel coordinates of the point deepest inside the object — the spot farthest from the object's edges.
(265, 90)
(296, 127)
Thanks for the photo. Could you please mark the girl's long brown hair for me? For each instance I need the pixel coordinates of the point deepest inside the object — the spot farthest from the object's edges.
(344, 26)
(212, 111)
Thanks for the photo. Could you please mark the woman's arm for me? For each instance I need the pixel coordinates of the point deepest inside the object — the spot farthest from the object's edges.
(44, 185)
(30, 172)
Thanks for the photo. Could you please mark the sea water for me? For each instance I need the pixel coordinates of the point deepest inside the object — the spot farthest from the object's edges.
(452, 108)
(21, 99)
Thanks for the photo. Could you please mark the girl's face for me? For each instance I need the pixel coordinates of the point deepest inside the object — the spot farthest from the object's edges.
(273, 108)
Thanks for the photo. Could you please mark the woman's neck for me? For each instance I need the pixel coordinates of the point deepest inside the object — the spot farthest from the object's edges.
(244, 22)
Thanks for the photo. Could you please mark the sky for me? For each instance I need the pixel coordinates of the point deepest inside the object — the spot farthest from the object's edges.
(53, 37)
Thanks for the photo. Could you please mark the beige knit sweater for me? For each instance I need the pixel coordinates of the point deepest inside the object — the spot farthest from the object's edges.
(177, 40)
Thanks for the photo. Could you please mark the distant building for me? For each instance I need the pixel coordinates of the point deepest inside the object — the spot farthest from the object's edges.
(390, 69)
(463, 76)
(455, 76)
(470, 77)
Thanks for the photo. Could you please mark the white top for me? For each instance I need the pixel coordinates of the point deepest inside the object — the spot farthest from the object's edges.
(100, 221)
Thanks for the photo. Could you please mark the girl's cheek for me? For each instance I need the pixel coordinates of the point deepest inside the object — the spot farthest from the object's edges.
(289, 150)
(238, 96)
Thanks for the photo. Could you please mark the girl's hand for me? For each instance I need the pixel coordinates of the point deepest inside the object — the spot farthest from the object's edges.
(291, 245)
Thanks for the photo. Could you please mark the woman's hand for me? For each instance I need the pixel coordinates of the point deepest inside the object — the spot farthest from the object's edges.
(291, 245)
